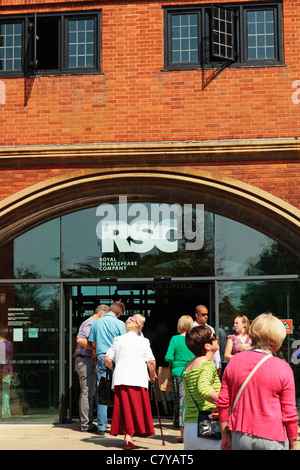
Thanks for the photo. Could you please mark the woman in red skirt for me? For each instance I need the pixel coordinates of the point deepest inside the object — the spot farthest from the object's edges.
(133, 363)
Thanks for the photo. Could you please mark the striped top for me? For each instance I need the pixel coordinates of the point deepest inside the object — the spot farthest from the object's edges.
(199, 383)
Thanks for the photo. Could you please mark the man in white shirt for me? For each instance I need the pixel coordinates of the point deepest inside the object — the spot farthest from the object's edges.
(201, 314)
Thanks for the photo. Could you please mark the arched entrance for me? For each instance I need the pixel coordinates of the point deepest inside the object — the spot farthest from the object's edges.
(86, 188)
(236, 212)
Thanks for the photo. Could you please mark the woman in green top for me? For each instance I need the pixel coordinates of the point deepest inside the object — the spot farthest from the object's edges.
(202, 385)
(178, 356)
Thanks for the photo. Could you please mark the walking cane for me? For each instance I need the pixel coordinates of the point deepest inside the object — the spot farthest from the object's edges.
(157, 409)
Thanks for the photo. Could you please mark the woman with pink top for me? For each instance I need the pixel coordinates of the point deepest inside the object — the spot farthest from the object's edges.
(239, 341)
(264, 417)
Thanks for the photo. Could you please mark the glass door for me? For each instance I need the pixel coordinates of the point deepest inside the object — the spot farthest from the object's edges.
(29, 353)
(161, 302)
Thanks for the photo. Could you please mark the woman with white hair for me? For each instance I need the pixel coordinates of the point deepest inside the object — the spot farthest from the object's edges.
(133, 363)
(263, 413)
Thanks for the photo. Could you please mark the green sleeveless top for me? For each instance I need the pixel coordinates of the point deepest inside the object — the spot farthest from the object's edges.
(199, 382)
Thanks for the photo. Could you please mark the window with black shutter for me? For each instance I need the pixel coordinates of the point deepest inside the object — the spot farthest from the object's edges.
(205, 36)
(50, 44)
(222, 33)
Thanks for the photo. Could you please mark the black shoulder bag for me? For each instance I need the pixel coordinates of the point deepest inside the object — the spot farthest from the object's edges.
(105, 395)
(207, 428)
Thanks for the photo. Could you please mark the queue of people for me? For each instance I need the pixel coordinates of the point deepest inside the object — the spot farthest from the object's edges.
(253, 402)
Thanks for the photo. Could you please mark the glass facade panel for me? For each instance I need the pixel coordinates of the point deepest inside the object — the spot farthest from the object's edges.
(36, 253)
(282, 298)
(80, 245)
(243, 251)
(33, 255)
(107, 245)
(164, 258)
(29, 352)
(197, 243)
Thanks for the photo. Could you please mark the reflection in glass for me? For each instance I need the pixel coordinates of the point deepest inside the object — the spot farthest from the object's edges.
(29, 332)
(69, 247)
(243, 251)
(36, 252)
(235, 250)
(83, 255)
(252, 299)
(228, 248)
(80, 246)
(6, 357)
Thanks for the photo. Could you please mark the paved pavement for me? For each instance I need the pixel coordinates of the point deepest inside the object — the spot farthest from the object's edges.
(68, 437)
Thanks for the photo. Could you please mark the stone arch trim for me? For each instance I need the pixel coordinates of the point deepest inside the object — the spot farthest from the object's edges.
(90, 187)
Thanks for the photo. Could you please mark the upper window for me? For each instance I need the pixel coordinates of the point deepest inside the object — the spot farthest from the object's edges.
(207, 36)
(11, 35)
(45, 44)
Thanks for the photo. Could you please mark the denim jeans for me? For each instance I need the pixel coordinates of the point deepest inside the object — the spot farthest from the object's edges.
(242, 441)
(101, 409)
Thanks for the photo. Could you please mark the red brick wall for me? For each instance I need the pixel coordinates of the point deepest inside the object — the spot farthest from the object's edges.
(279, 179)
(135, 100)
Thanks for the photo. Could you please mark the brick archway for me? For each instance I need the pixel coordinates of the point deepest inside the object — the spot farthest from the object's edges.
(86, 188)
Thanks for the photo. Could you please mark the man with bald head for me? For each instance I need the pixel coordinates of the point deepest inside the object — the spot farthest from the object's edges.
(201, 315)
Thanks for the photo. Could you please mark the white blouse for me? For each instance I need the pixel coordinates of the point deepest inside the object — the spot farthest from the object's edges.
(130, 352)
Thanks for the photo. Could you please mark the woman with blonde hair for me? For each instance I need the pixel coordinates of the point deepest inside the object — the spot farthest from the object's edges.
(263, 413)
(178, 356)
(240, 340)
(133, 363)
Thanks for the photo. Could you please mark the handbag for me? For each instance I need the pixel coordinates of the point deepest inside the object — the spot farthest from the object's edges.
(164, 379)
(207, 428)
(105, 394)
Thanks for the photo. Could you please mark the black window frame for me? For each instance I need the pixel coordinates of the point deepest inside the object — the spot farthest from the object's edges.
(29, 48)
(206, 59)
(277, 35)
(19, 20)
(168, 39)
(224, 35)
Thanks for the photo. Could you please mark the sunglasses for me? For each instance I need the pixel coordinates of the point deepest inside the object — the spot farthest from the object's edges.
(203, 314)
(213, 338)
